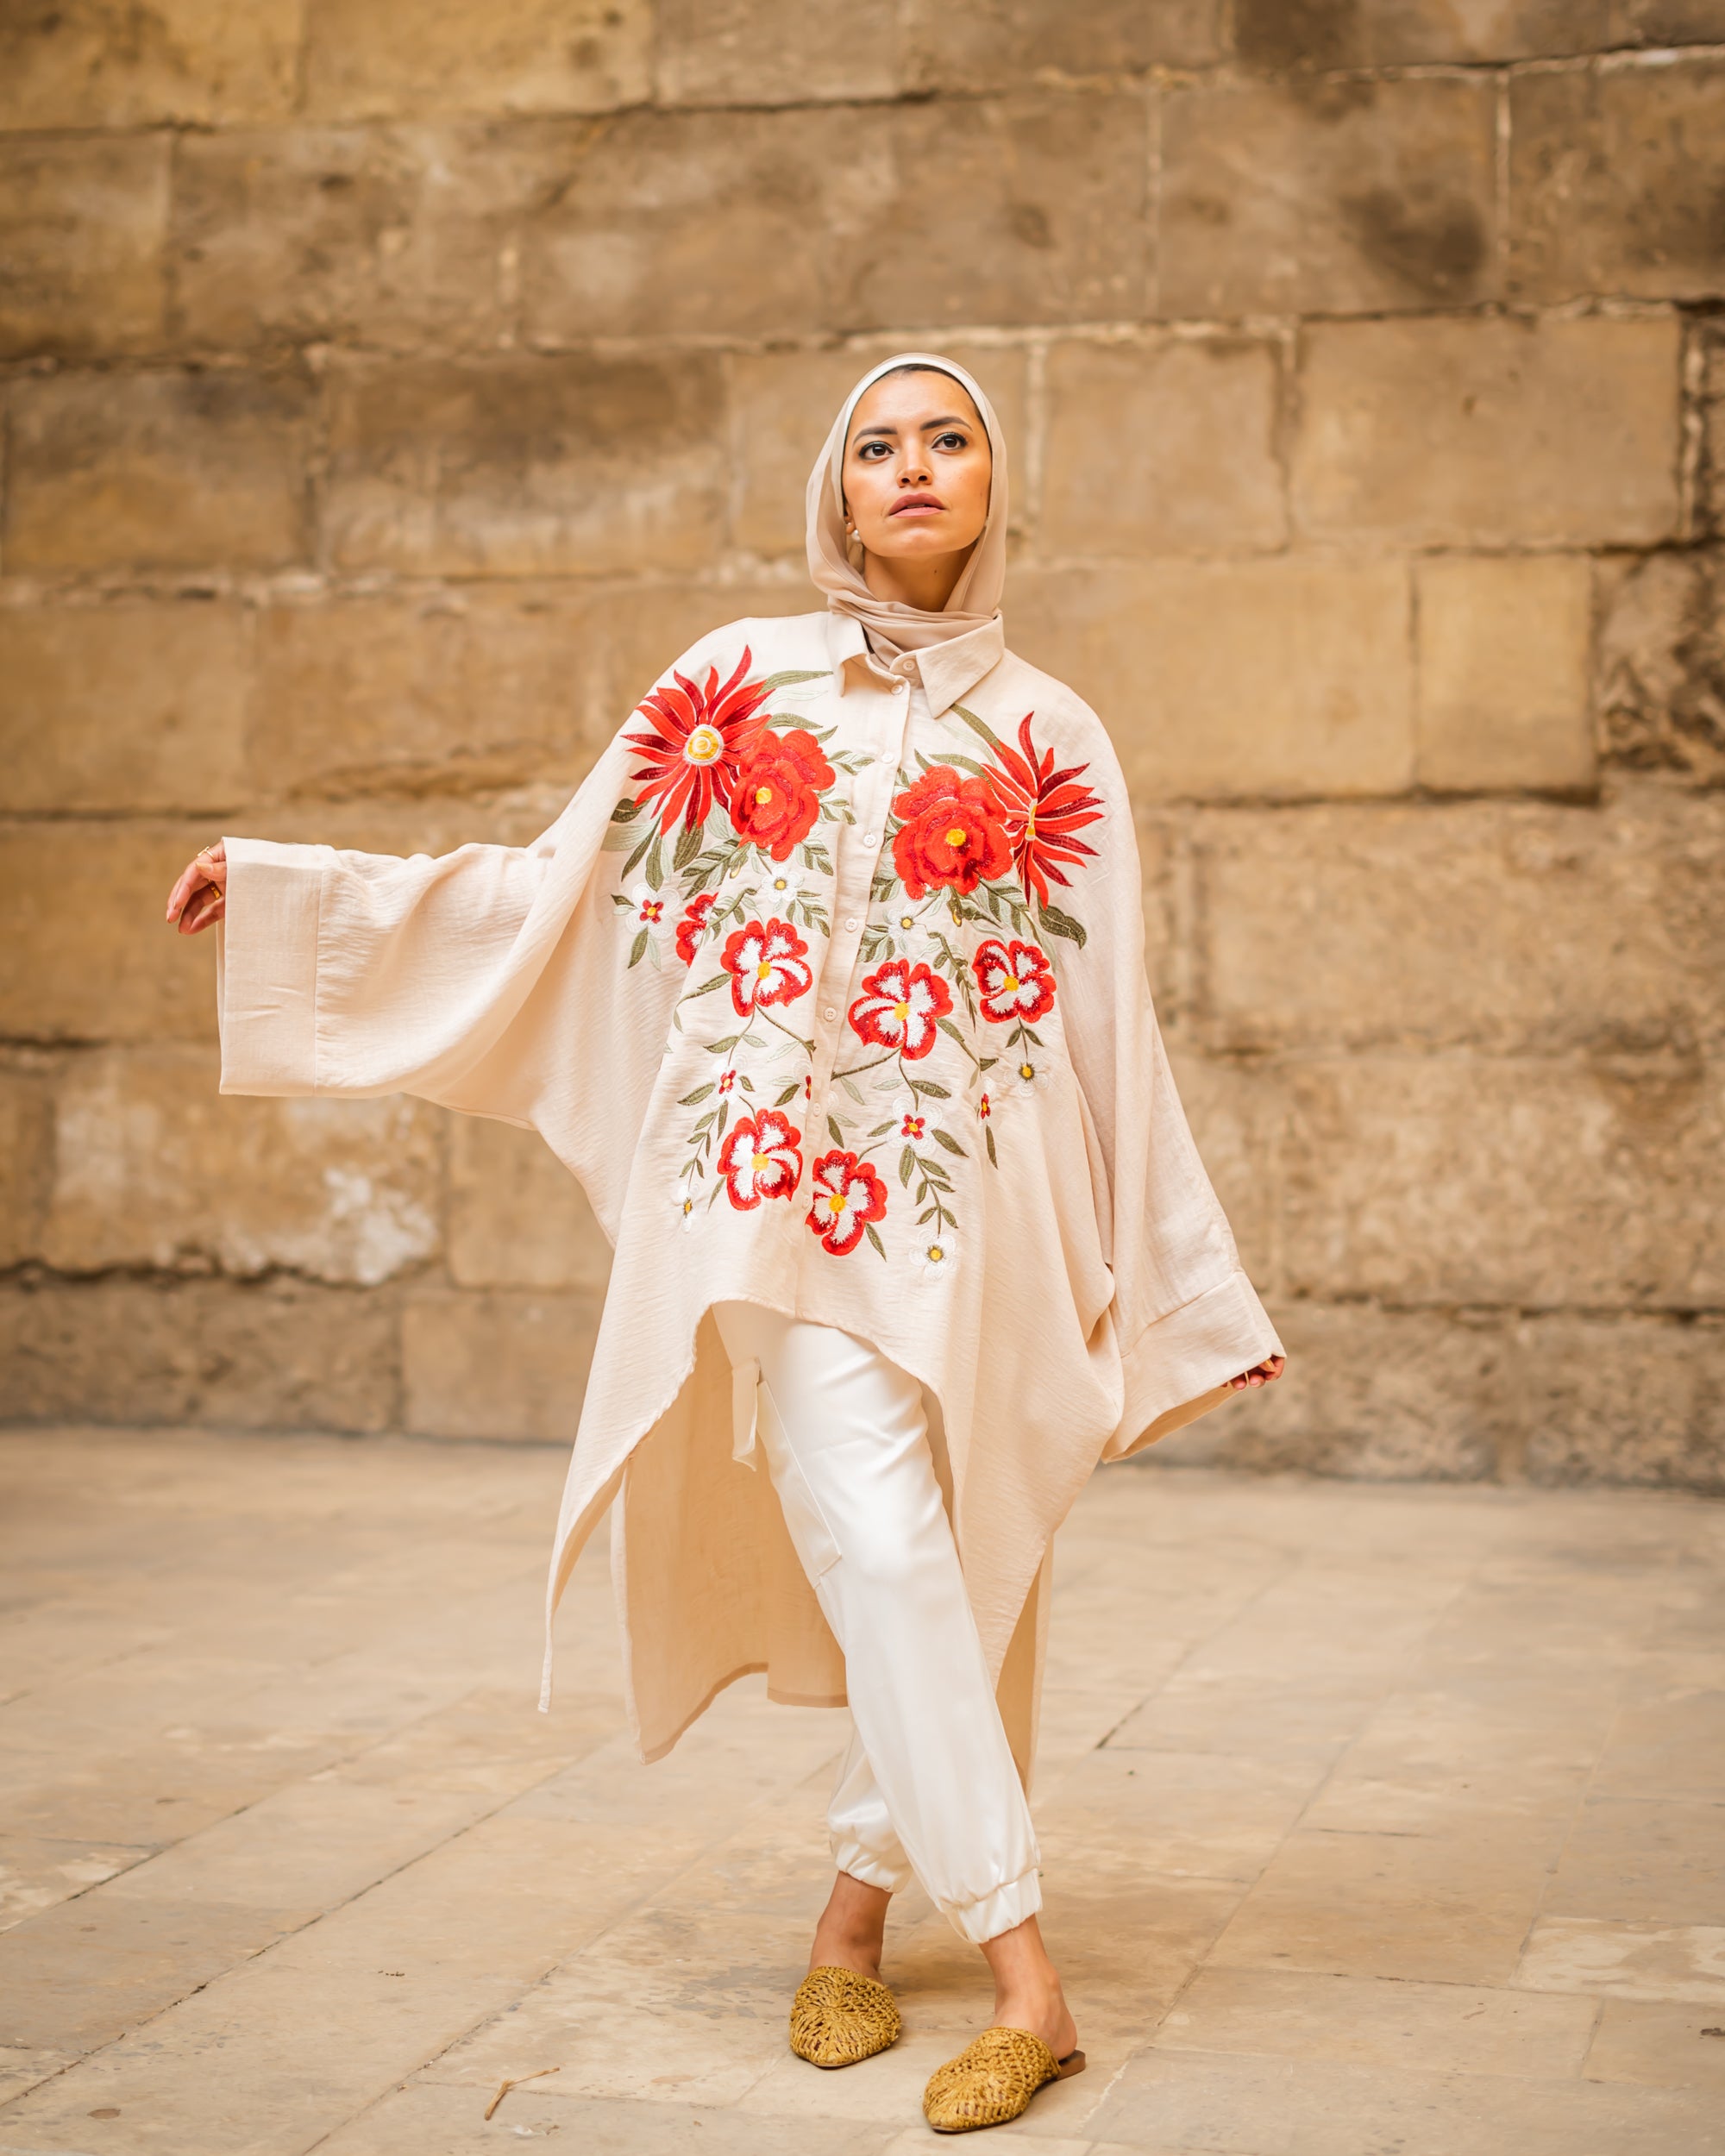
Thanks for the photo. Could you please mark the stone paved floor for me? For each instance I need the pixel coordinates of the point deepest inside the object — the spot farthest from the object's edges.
(1373, 1820)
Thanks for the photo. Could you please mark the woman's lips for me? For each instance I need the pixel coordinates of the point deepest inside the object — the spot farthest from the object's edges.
(919, 505)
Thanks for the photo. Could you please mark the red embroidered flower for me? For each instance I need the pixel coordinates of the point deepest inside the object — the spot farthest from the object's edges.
(912, 1126)
(1015, 979)
(1040, 809)
(699, 735)
(694, 921)
(767, 964)
(650, 910)
(759, 1159)
(727, 1079)
(776, 796)
(951, 834)
(848, 1195)
(985, 1107)
(900, 1006)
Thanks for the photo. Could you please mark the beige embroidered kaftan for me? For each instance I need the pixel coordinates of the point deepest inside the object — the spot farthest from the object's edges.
(829, 985)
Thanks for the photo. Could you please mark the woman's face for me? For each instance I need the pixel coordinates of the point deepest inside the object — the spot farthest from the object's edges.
(917, 468)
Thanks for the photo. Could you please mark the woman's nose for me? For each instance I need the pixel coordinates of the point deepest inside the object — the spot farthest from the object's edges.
(914, 470)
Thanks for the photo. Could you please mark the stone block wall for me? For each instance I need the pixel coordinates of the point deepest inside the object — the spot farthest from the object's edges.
(390, 389)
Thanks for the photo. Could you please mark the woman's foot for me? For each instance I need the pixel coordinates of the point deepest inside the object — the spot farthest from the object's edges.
(1027, 1993)
(852, 1930)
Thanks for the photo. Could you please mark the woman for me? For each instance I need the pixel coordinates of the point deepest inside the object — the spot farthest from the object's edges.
(829, 985)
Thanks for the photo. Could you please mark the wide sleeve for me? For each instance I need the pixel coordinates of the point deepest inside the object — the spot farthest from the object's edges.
(500, 981)
(1186, 1318)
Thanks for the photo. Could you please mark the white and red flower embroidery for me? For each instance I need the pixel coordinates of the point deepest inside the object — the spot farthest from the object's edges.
(693, 924)
(768, 962)
(760, 1159)
(1015, 981)
(901, 1007)
(848, 1195)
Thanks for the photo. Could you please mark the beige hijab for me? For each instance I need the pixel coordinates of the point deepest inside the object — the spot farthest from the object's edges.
(892, 627)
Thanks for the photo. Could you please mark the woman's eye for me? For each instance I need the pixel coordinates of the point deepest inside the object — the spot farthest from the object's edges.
(952, 441)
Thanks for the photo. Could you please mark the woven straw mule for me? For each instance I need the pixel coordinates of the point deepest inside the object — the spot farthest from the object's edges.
(992, 2080)
(840, 2016)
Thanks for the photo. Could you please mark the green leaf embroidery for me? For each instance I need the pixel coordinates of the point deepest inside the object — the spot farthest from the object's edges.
(950, 1144)
(694, 1099)
(1056, 922)
(638, 948)
(790, 675)
(868, 1230)
(933, 1091)
(978, 725)
(906, 1167)
(630, 865)
(654, 870)
(688, 845)
(832, 1125)
(988, 1140)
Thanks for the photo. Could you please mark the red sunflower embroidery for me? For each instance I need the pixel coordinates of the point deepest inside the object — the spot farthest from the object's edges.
(900, 1006)
(951, 834)
(760, 1159)
(1040, 809)
(776, 796)
(1016, 980)
(848, 1195)
(768, 962)
(699, 735)
(692, 922)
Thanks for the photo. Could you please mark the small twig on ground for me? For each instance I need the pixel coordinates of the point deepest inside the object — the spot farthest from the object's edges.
(504, 2087)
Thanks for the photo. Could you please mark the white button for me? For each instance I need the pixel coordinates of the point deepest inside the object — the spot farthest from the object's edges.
(871, 839)
(898, 688)
(830, 1012)
(853, 923)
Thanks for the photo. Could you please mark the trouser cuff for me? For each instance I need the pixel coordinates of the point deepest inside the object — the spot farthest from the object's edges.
(1006, 1906)
(851, 1857)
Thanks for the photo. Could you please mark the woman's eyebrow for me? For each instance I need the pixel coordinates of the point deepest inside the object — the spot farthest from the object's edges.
(951, 419)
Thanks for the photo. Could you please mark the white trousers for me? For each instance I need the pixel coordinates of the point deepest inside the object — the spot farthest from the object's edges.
(928, 1786)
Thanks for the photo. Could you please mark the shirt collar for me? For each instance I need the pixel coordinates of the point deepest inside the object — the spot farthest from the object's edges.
(947, 671)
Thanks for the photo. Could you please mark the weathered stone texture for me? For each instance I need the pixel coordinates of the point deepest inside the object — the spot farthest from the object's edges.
(366, 59)
(106, 968)
(280, 1356)
(126, 707)
(83, 224)
(1490, 432)
(1539, 1184)
(453, 690)
(1661, 663)
(1344, 197)
(152, 1169)
(782, 405)
(524, 466)
(111, 63)
(997, 44)
(1301, 35)
(26, 1161)
(1280, 679)
(760, 52)
(176, 470)
(754, 224)
(518, 1217)
(1511, 928)
(497, 1365)
(1616, 176)
(1504, 673)
(396, 235)
(1187, 460)
(1391, 1394)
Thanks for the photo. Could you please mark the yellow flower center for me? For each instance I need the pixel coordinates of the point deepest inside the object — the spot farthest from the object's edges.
(955, 835)
(1012, 981)
(837, 1202)
(1027, 1071)
(764, 972)
(901, 1012)
(761, 1161)
(937, 1256)
(705, 745)
(762, 795)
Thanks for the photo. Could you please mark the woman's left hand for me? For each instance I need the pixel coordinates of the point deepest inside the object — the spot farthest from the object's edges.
(1264, 1373)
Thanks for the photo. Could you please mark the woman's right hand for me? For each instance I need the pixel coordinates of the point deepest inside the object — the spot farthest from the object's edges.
(201, 895)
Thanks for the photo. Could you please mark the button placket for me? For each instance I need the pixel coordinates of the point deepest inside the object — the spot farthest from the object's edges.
(855, 856)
